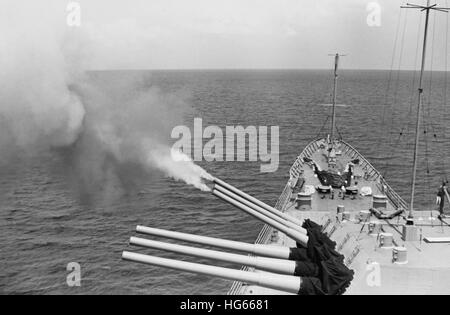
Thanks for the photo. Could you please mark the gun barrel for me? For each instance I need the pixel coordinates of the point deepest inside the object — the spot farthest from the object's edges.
(268, 264)
(255, 249)
(446, 194)
(284, 283)
(295, 235)
(255, 207)
(258, 202)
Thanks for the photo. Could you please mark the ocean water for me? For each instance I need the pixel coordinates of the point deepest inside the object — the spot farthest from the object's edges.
(45, 224)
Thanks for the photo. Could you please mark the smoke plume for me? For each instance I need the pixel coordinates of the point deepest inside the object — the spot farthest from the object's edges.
(128, 123)
(115, 128)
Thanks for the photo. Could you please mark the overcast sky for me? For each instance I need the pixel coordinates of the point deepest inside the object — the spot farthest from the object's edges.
(230, 34)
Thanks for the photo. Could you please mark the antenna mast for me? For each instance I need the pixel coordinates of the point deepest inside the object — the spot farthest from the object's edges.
(427, 10)
(336, 76)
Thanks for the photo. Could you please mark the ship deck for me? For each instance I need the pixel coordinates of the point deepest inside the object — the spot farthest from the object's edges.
(427, 266)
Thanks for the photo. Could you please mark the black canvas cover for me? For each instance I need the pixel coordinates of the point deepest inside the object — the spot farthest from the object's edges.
(308, 224)
(324, 273)
(311, 286)
(306, 269)
(334, 180)
(299, 254)
(333, 279)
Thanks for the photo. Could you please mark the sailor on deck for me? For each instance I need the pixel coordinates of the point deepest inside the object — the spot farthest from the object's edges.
(441, 195)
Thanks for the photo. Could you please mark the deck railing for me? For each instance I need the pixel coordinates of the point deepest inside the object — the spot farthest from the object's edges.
(373, 173)
(263, 238)
(370, 170)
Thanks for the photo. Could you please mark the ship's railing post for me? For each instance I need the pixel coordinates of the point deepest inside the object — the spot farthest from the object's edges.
(263, 238)
(395, 198)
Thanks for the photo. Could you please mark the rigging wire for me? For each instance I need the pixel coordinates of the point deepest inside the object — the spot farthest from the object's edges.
(339, 133)
(427, 177)
(427, 152)
(408, 123)
(428, 121)
(412, 101)
(331, 83)
(427, 117)
(416, 65)
(429, 103)
(391, 71)
(322, 128)
(405, 128)
(427, 111)
(388, 89)
(400, 63)
(446, 81)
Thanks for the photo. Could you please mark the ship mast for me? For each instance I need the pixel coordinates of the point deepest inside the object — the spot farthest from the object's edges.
(427, 10)
(336, 76)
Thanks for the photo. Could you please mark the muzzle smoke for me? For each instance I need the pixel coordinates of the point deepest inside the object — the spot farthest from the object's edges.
(121, 126)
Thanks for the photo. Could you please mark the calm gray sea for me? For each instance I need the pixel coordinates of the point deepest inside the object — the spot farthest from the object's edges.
(44, 224)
